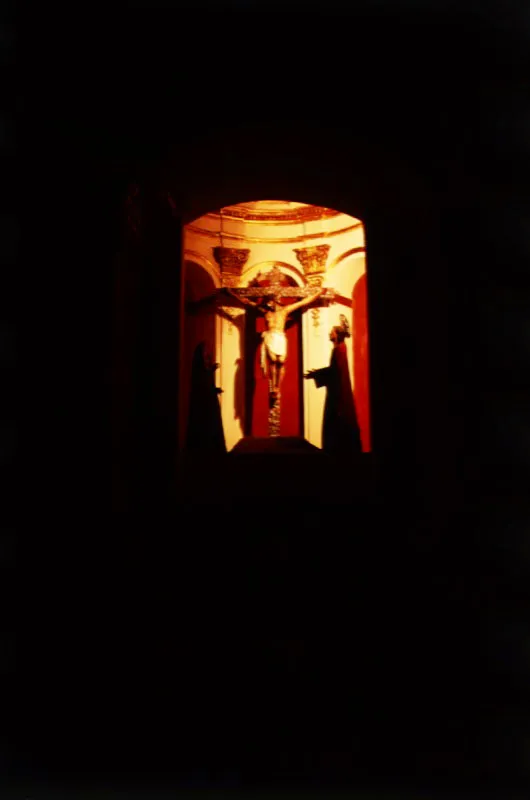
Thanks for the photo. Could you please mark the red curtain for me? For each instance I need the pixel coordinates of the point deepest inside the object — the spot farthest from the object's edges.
(291, 420)
(291, 397)
(260, 399)
(360, 360)
(290, 416)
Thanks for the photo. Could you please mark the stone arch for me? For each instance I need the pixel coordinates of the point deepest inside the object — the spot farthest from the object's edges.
(347, 254)
(226, 173)
(340, 267)
(205, 263)
(379, 187)
(213, 172)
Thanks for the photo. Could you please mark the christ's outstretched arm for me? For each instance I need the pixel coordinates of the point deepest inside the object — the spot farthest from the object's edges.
(194, 306)
(243, 300)
(305, 302)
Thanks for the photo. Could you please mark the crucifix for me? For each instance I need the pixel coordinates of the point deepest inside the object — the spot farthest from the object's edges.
(267, 301)
(274, 339)
(274, 344)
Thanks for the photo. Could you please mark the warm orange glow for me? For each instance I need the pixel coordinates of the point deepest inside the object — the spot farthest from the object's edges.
(239, 244)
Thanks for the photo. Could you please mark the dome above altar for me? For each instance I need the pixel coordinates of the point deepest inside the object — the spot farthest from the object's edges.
(274, 221)
(277, 211)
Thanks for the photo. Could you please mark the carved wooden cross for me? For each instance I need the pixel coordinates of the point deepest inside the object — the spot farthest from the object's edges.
(276, 288)
(281, 291)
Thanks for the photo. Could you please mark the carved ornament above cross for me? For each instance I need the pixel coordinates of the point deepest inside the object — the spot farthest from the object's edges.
(277, 288)
(281, 291)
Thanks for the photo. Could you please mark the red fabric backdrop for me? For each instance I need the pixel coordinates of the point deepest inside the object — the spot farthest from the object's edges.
(291, 420)
(360, 361)
(290, 417)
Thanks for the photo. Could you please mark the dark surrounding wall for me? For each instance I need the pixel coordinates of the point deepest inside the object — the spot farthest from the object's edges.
(142, 624)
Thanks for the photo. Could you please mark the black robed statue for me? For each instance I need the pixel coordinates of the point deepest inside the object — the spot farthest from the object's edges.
(205, 425)
(340, 430)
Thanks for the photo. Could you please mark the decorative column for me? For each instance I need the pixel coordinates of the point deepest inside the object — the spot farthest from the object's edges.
(231, 262)
(313, 261)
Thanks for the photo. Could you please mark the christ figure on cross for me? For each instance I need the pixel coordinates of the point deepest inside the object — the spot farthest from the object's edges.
(274, 340)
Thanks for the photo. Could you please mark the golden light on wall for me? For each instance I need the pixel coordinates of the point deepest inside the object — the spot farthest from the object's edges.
(311, 248)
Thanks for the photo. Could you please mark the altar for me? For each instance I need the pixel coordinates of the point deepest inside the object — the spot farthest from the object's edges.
(311, 263)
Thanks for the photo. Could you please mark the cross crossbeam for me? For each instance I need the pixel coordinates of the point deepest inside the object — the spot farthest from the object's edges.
(280, 291)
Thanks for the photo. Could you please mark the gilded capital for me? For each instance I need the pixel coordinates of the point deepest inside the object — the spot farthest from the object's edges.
(231, 260)
(313, 259)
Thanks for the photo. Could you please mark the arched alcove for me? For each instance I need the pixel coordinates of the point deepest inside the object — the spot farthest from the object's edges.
(379, 188)
(405, 162)
(325, 166)
(309, 247)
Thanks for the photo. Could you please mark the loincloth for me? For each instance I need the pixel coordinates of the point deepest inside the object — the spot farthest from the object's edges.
(274, 345)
